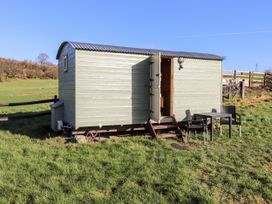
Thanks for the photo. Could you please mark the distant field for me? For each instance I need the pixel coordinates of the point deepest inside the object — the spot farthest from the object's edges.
(36, 168)
(27, 90)
(20, 90)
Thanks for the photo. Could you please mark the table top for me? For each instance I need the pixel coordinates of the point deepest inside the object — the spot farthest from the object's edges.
(214, 115)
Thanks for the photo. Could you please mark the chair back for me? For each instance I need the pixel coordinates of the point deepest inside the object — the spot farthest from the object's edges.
(188, 115)
(231, 110)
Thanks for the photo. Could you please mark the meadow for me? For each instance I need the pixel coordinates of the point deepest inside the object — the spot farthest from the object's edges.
(38, 168)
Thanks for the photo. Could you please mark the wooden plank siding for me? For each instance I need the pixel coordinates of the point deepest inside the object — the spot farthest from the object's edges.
(197, 87)
(103, 88)
(67, 84)
(111, 88)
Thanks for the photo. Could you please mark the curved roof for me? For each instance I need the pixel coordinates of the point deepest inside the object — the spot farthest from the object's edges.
(130, 50)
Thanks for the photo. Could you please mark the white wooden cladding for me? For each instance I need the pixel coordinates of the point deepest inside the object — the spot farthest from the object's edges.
(67, 83)
(102, 88)
(112, 88)
(197, 87)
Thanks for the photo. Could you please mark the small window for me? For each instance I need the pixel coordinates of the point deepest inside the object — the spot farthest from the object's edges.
(65, 63)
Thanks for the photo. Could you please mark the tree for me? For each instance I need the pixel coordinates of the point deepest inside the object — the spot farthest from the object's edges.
(43, 58)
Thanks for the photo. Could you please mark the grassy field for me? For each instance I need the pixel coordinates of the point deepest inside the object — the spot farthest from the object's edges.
(27, 90)
(35, 168)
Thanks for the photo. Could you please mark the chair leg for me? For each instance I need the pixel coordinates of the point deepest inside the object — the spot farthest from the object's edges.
(204, 137)
(186, 139)
(221, 130)
(240, 130)
(187, 136)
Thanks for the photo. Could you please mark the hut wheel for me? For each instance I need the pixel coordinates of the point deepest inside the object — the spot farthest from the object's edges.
(91, 134)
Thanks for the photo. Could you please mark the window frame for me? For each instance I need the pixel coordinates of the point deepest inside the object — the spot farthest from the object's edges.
(65, 63)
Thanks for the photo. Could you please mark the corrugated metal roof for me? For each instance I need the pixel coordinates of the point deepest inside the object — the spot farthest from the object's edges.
(130, 50)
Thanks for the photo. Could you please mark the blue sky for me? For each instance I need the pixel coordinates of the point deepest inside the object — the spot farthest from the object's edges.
(239, 30)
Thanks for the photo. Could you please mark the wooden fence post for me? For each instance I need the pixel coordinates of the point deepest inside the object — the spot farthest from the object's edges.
(264, 80)
(268, 80)
(242, 89)
(55, 98)
(249, 79)
(229, 92)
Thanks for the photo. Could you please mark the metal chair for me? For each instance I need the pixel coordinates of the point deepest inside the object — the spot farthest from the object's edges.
(196, 125)
(236, 118)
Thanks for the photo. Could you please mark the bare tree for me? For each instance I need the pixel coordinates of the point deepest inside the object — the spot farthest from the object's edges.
(43, 58)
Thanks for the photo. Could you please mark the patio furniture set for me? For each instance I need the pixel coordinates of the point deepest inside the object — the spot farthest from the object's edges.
(205, 122)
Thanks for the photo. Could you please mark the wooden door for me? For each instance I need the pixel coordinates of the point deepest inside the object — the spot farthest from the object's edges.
(155, 90)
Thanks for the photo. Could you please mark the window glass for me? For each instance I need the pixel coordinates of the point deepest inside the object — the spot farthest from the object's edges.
(65, 63)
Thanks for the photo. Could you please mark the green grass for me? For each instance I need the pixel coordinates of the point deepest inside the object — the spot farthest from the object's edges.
(26, 90)
(35, 168)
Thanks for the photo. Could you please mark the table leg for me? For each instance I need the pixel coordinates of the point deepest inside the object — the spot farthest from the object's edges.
(230, 127)
(212, 129)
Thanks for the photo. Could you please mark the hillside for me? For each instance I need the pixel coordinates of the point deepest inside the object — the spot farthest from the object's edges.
(133, 169)
(13, 69)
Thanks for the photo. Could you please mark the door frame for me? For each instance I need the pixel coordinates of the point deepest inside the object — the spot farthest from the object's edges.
(171, 87)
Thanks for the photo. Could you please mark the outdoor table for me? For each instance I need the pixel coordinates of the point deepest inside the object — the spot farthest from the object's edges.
(214, 115)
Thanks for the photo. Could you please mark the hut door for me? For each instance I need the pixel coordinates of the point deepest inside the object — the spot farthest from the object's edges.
(155, 89)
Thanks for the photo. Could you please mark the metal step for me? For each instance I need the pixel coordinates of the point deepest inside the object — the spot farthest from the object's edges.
(162, 127)
(166, 135)
(173, 127)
